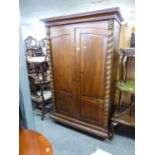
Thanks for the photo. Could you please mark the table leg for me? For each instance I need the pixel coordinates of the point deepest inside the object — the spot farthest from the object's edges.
(120, 101)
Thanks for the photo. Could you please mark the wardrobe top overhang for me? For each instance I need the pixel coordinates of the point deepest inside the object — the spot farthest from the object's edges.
(100, 15)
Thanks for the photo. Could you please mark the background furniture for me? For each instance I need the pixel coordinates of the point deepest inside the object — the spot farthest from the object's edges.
(33, 143)
(40, 88)
(30, 42)
(83, 51)
(35, 48)
(125, 114)
(37, 64)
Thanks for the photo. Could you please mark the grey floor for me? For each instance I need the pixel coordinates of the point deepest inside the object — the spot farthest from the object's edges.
(67, 141)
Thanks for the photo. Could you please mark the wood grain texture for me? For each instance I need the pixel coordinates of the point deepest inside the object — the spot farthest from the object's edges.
(88, 127)
(108, 74)
(33, 143)
(64, 70)
(82, 70)
(100, 15)
(92, 44)
(116, 40)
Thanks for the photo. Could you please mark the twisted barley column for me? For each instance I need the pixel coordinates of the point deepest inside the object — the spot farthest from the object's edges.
(108, 73)
(50, 60)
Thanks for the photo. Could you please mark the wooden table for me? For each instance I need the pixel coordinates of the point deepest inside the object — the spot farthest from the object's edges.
(127, 116)
(33, 143)
(126, 54)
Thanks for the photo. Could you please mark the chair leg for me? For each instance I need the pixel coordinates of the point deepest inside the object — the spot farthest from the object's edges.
(43, 110)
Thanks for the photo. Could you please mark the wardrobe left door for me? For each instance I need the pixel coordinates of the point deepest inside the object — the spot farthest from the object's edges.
(64, 70)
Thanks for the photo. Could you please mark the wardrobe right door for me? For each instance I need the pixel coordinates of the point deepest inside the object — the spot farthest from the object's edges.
(91, 46)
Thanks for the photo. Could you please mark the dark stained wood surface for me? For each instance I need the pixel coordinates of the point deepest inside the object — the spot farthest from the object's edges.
(100, 15)
(64, 71)
(91, 44)
(115, 72)
(33, 143)
(82, 66)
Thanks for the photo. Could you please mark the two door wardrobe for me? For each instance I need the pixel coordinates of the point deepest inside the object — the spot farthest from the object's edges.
(83, 51)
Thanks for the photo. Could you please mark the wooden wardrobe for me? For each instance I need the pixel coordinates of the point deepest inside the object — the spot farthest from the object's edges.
(83, 51)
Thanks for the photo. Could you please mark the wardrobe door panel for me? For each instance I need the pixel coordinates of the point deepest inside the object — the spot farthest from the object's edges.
(63, 54)
(92, 111)
(92, 45)
(64, 103)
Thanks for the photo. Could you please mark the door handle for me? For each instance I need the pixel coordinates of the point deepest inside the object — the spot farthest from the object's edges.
(76, 78)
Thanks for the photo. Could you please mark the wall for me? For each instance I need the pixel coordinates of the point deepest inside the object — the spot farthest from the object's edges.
(24, 90)
(36, 30)
(125, 35)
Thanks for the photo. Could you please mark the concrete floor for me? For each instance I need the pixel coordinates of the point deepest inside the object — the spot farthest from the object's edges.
(67, 141)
